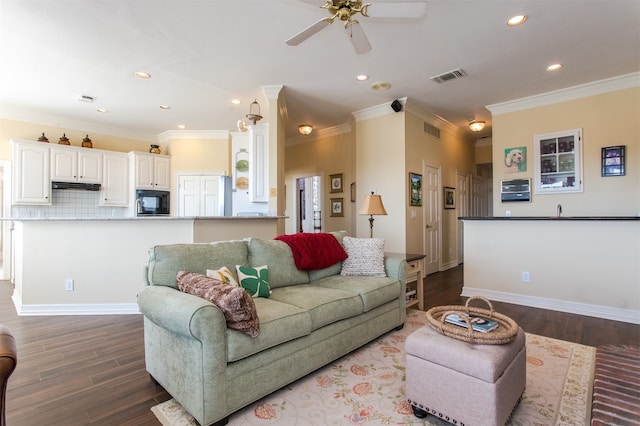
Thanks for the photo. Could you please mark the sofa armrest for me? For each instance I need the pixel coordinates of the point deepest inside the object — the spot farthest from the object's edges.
(395, 266)
(182, 313)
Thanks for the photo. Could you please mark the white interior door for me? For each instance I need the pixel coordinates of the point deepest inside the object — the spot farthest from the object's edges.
(462, 209)
(431, 212)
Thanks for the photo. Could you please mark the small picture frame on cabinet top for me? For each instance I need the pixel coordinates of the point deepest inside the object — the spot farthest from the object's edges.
(613, 160)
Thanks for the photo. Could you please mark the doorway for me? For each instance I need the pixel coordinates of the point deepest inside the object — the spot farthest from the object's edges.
(308, 206)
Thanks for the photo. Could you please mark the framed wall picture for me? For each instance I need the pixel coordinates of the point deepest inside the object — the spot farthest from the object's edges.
(515, 159)
(335, 182)
(449, 198)
(337, 207)
(415, 189)
(613, 160)
(353, 192)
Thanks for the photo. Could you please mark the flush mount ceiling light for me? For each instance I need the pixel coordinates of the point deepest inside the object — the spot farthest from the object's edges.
(476, 125)
(254, 112)
(516, 20)
(554, 67)
(381, 86)
(305, 129)
(142, 74)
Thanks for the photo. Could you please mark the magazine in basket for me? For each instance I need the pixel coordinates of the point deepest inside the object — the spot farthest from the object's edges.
(481, 324)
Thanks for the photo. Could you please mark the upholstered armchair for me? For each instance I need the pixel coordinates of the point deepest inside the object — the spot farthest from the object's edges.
(8, 361)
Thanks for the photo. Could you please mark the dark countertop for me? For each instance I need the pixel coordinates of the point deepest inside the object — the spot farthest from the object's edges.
(409, 257)
(553, 218)
(141, 218)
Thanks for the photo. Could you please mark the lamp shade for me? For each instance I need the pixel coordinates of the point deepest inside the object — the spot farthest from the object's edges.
(372, 205)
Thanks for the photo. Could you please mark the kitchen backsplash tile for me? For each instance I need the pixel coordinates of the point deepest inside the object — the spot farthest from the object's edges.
(70, 203)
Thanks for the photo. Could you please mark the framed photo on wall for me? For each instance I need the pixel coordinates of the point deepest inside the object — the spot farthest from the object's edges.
(613, 160)
(336, 182)
(353, 192)
(337, 207)
(415, 189)
(449, 197)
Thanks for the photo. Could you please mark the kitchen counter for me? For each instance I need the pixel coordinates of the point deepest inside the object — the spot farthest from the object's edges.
(142, 218)
(552, 218)
(105, 257)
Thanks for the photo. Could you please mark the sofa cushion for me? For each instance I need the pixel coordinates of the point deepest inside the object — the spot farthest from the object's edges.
(374, 291)
(330, 270)
(223, 274)
(366, 257)
(278, 257)
(325, 305)
(254, 280)
(279, 323)
(165, 261)
(235, 303)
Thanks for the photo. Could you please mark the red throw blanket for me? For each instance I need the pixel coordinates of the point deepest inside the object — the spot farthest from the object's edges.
(314, 251)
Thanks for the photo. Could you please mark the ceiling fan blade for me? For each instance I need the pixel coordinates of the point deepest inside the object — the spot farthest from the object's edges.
(308, 32)
(358, 38)
(381, 9)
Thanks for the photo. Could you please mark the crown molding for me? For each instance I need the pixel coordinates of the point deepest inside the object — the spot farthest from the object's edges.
(170, 135)
(599, 87)
(272, 91)
(431, 118)
(376, 111)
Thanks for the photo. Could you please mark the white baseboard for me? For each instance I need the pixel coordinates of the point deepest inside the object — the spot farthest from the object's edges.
(74, 309)
(598, 311)
(448, 265)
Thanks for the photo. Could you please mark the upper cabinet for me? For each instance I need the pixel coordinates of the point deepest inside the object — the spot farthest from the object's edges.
(31, 179)
(151, 171)
(115, 182)
(71, 164)
(558, 162)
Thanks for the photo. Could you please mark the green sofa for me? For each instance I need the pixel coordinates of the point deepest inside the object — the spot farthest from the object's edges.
(311, 319)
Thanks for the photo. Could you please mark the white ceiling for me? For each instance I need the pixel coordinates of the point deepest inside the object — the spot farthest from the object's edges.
(202, 54)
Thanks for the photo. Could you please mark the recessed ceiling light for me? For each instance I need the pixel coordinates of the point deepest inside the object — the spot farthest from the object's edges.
(235, 101)
(516, 20)
(102, 110)
(181, 126)
(362, 77)
(165, 107)
(142, 74)
(554, 67)
(380, 86)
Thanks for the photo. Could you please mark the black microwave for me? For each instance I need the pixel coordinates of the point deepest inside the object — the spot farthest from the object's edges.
(152, 203)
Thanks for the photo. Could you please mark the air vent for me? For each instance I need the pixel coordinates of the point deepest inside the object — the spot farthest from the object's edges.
(450, 75)
(431, 130)
(86, 98)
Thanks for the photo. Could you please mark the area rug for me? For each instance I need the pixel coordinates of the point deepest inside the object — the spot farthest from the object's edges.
(367, 386)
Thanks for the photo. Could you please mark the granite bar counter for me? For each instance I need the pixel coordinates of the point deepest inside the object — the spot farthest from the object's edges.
(105, 257)
(589, 265)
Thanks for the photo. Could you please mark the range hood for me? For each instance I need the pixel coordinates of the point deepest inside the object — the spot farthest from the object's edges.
(76, 185)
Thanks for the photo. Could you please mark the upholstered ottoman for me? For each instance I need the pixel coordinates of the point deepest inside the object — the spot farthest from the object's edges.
(464, 383)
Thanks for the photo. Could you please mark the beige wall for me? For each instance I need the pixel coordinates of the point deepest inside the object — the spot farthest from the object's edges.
(10, 129)
(322, 157)
(606, 120)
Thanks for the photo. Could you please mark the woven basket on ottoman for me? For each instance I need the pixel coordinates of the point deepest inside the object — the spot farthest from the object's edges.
(464, 383)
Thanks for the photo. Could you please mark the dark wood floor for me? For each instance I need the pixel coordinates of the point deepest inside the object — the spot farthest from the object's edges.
(89, 370)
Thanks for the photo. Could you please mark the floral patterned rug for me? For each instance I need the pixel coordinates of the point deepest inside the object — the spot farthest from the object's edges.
(367, 387)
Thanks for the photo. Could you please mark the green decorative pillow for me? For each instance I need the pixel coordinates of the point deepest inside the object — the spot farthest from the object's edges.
(254, 280)
(223, 274)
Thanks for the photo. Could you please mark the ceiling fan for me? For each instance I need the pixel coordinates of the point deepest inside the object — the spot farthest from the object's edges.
(345, 10)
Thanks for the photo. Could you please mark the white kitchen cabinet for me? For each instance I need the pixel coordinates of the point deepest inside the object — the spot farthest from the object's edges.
(115, 183)
(151, 171)
(31, 179)
(558, 162)
(71, 164)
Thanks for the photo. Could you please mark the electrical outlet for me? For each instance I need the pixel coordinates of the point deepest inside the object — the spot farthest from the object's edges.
(68, 284)
(526, 277)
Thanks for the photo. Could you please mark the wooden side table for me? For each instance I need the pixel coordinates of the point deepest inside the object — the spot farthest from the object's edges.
(415, 282)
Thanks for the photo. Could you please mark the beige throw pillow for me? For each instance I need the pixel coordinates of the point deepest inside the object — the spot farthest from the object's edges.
(366, 257)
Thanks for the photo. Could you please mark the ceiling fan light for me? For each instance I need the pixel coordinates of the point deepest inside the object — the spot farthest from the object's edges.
(476, 125)
(305, 129)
